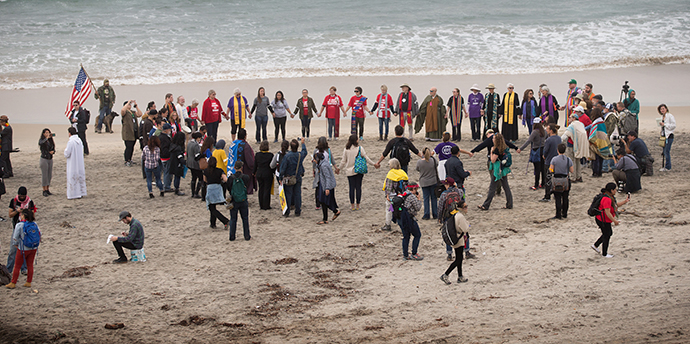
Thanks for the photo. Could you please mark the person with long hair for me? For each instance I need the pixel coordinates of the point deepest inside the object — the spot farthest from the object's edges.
(174, 120)
(457, 239)
(214, 177)
(278, 158)
(281, 109)
(347, 163)
(536, 140)
(499, 173)
(323, 148)
(306, 109)
(151, 156)
(530, 109)
(193, 156)
(264, 174)
(326, 188)
(292, 165)
(261, 106)
(47, 145)
(608, 206)
(206, 151)
(668, 126)
(24, 254)
(428, 179)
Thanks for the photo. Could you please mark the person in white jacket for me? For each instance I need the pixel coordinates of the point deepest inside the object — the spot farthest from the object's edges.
(577, 141)
(668, 126)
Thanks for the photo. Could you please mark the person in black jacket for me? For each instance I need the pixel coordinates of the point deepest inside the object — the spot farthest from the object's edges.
(79, 117)
(488, 143)
(47, 145)
(6, 135)
(177, 161)
(264, 174)
(455, 169)
(165, 155)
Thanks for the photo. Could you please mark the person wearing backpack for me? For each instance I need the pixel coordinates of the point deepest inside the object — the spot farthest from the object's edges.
(25, 239)
(560, 166)
(399, 148)
(237, 184)
(17, 204)
(404, 215)
(396, 182)
(453, 232)
(498, 169)
(325, 190)
(448, 204)
(607, 214)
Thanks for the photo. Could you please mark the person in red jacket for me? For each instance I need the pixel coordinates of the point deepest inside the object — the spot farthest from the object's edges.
(211, 114)
(332, 103)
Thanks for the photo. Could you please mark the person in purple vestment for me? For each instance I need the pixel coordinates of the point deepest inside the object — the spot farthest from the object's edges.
(476, 101)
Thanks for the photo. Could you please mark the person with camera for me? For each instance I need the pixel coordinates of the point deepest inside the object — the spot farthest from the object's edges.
(627, 121)
(608, 208)
(79, 117)
(634, 145)
(626, 172)
(129, 128)
(668, 126)
(560, 166)
(456, 237)
(291, 172)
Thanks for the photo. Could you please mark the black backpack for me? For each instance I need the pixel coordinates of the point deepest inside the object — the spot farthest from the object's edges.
(450, 233)
(401, 151)
(398, 203)
(5, 275)
(594, 207)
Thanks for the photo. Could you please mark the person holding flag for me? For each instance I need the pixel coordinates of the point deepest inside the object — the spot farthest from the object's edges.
(78, 116)
(358, 104)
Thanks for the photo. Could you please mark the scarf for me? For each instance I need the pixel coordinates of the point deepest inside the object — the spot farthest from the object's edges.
(547, 106)
(599, 139)
(571, 103)
(508, 108)
(530, 111)
(383, 106)
(356, 107)
(395, 175)
(455, 110)
(491, 122)
(238, 108)
(22, 205)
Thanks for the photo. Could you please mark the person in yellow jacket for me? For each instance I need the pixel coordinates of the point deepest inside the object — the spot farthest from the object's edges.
(395, 179)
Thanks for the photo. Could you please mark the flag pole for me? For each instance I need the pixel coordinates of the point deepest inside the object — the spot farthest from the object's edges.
(87, 75)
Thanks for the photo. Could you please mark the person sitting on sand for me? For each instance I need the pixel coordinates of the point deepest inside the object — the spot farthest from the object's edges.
(133, 240)
(456, 231)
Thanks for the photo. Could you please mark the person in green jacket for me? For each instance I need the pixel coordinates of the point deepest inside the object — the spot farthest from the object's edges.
(633, 106)
(106, 95)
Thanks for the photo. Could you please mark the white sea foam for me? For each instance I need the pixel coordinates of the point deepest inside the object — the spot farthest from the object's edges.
(29, 58)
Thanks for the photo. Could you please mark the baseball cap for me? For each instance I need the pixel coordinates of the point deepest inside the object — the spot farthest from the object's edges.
(124, 214)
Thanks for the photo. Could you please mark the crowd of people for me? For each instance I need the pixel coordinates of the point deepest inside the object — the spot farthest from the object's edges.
(177, 139)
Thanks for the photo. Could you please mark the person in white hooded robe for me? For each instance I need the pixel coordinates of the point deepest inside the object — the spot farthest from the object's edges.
(76, 175)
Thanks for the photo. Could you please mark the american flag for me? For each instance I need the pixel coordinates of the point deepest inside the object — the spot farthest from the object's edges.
(81, 90)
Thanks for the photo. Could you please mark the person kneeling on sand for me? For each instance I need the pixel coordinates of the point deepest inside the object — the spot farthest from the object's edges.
(454, 231)
(134, 240)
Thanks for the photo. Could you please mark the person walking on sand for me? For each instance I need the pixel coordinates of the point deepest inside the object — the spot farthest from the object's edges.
(488, 143)
(238, 185)
(354, 163)
(383, 109)
(454, 234)
(6, 145)
(396, 179)
(76, 174)
(25, 240)
(306, 110)
(333, 105)
(47, 145)
(608, 208)
(499, 170)
(407, 108)
(561, 165)
(408, 222)
(214, 177)
(106, 95)
(261, 106)
(79, 118)
(326, 188)
(448, 204)
(133, 240)
(151, 159)
(129, 128)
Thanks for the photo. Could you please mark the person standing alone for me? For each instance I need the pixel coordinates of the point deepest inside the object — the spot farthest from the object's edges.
(76, 175)
(129, 128)
(106, 95)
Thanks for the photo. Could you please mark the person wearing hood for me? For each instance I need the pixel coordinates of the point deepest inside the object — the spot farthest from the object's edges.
(631, 103)
(432, 116)
(577, 141)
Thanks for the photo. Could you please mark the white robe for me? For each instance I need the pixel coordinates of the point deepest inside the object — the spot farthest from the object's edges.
(76, 175)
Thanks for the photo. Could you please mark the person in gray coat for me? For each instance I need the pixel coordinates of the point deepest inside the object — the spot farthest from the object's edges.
(326, 188)
(193, 155)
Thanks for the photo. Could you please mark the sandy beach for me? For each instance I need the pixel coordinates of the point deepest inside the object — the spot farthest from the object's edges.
(534, 280)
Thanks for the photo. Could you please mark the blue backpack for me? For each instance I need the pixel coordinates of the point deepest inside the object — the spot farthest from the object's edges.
(32, 236)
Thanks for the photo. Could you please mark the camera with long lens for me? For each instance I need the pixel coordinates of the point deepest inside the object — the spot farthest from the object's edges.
(626, 87)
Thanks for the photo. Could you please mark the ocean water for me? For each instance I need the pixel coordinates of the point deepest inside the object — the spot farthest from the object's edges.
(42, 42)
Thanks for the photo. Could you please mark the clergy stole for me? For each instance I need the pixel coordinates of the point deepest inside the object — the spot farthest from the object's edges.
(491, 114)
(570, 104)
(432, 115)
(508, 108)
(239, 106)
(455, 110)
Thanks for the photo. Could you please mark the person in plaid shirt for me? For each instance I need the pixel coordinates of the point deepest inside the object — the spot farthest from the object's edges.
(152, 156)
(134, 240)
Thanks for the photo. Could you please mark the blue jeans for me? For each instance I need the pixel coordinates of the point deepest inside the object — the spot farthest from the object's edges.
(331, 127)
(608, 165)
(306, 125)
(667, 151)
(167, 177)
(154, 172)
(383, 123)
(11, 257)
(101, 116)
(416, 234)
(243, 209)
(430, 196)
(293, 196)
(261, 122)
